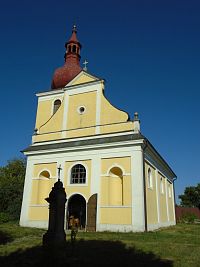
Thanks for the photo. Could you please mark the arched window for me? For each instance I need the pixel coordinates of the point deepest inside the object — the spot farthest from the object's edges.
(78, 174)
(43, 187)
(56, 105)
(161, 186)
(74, 49)
(169, 191)
(116, 187)
(44, 174)
(149, 180)
(69, 48)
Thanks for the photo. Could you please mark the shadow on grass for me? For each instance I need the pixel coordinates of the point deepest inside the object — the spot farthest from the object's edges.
(84, 253)
(5, 238)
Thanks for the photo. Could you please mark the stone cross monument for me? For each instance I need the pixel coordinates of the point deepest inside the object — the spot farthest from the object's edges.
(55, 234)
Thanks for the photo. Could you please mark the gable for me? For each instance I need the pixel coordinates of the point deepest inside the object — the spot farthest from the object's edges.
(82, 77)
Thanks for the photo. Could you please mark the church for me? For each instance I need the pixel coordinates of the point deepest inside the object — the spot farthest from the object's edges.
(115, 180)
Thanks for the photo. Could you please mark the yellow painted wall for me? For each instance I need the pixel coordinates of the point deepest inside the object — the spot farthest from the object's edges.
(44, 110)
(50, 125)
(152, 217)
(163, 207)
(54, 122)
(115, 190)
(83, 78)
(80, 132)
(38, 213)
(107, 163)
(110, 114)
(115, 215)
(83, 189)
(51, 167)
(88, 118)
(41, 186)
(118, 127)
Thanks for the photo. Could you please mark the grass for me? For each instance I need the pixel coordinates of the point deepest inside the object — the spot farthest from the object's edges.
(174, 246)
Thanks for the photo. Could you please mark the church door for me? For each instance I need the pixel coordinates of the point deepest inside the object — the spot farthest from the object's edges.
(92, 213)
(76, 209)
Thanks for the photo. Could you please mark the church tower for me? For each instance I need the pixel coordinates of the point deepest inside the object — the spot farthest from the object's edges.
(114, 178)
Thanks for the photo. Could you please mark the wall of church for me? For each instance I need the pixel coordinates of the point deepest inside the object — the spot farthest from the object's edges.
(43, 179)
(162, 198)
(47, 121)
(76, 119)
(115, 181)
(110, 114)
(151, 194)
(116, 215)
(99, 116)
(84, 78)
(115, 192)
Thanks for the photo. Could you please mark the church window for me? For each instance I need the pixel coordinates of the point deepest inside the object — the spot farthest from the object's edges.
(150, 180)
(169, 191)
(74, 49)
(161, 186)
(69, 48)
(56, 105)
(44, 174)
(81, 110)
(78, 174)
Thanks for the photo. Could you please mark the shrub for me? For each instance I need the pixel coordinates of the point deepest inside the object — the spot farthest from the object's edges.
(188, 217)
(4, 217)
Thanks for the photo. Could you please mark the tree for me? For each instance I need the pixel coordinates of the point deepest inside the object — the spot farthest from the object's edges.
(11, 187)
(191, 197)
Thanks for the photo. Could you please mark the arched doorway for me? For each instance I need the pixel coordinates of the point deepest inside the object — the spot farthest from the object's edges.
(77, 208)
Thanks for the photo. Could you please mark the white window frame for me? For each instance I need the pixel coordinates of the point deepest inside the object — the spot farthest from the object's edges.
(69, 174)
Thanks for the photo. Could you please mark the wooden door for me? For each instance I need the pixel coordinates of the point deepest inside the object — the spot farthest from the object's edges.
(92, 213)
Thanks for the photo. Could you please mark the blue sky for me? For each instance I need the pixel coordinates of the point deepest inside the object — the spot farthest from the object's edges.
(148, 52)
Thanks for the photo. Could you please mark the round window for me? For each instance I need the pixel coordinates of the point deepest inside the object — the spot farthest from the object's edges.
(81, 110)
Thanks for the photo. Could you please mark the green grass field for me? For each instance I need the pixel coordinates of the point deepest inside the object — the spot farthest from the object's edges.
(173, 246)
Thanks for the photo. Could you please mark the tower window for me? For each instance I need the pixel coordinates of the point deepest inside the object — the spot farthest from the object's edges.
(56, 105)
(69, 48)
(74, 49)
(78, 174)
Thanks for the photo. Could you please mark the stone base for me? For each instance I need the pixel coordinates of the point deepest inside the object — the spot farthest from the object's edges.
(52, 238)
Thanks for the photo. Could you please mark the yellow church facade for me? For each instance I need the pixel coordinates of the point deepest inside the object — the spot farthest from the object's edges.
(114, 178)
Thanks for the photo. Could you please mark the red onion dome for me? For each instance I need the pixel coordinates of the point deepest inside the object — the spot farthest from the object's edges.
(63, 75)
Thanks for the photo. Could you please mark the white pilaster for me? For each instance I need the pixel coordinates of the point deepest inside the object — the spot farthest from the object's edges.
(65, 113)
(166, 195)
(26, 193)
(138, 213)
(95, 183)
(98, 110)
(173, 202)
(157, 196)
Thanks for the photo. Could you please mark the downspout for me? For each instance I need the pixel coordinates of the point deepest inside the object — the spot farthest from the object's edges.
(145, 144)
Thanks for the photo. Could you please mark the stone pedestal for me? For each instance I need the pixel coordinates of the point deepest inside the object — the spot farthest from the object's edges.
(55, 234)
